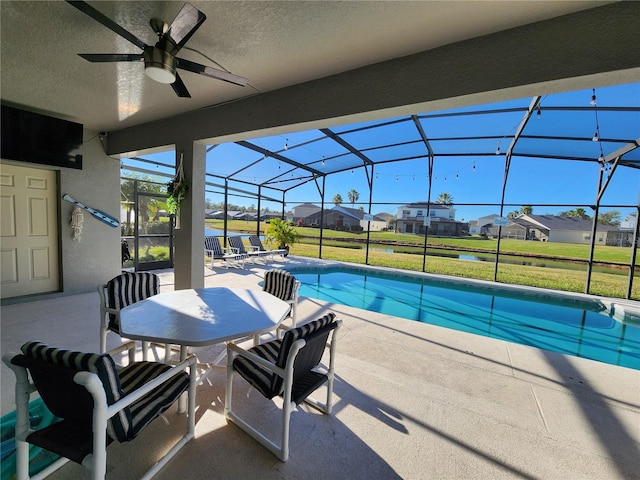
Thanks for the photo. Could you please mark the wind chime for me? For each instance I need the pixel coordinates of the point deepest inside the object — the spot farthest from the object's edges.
(77, 219)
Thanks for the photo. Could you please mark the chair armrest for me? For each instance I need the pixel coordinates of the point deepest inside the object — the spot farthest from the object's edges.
(254, 249)
(130, 346)
(235, 251)
(21, 373)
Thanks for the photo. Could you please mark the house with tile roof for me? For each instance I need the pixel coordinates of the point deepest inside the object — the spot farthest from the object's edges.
(552, 228)
(438, 218)
(345, 218)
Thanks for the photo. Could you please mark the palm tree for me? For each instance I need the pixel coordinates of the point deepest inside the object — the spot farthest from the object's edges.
(576, 213)
(337, 199)
(526, 210)
(353, 196)
(444, 199)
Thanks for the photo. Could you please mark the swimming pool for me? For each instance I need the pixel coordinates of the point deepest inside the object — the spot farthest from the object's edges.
(581, 326)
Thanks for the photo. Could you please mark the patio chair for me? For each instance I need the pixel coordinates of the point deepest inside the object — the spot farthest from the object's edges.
(238, 246)
(117, 293)
(256, 243)
(283, 285)
(214, 251)
(289, 368)
(96, 402)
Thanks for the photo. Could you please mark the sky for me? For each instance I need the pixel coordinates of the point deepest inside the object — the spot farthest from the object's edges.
(470, 178)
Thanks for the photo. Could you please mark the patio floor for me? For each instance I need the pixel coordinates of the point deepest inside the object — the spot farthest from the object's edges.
(412, 401)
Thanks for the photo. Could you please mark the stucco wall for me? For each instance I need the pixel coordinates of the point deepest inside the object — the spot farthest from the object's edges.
(376, 225)
(96, 258)
(568, 236)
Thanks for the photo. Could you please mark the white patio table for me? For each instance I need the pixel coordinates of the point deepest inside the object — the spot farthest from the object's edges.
(200, 317)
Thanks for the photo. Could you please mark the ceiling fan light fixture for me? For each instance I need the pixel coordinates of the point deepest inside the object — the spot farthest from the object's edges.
(159, 65)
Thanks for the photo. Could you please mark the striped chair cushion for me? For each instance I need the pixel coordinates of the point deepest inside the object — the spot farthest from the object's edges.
(300, 332)
(261, 379)
(156, 402)
(119, 426)
(277, 352)
(129, 288)
(279, 283)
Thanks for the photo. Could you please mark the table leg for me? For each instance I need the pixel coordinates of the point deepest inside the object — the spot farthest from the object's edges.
(182, 401)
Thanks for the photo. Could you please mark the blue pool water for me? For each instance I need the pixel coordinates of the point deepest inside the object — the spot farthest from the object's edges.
(578, 327)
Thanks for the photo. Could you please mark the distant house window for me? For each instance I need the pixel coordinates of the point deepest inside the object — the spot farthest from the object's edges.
(432, 213)
(420, 213)
(406, 213)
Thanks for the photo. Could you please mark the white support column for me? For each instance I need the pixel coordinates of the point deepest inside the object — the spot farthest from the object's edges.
(189, 238)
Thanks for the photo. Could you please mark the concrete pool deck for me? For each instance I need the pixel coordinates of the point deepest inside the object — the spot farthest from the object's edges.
(412, 401)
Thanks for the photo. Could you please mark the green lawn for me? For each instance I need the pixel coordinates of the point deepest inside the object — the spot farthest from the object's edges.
(346, 246)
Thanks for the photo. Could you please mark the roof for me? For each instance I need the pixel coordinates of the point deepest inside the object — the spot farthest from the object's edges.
(433, 206)
(554, 222)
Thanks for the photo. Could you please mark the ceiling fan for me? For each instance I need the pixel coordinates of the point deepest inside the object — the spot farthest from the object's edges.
(160, 61)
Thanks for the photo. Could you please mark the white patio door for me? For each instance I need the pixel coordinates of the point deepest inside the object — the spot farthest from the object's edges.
(28, 231)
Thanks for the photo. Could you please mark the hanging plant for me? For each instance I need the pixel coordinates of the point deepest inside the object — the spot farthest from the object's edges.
(177, 191)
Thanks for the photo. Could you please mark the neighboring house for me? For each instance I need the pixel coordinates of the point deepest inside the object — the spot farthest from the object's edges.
(245, 216)
(268, 215)
(413, 217)
(552, 228)
(345, 218)
(513, 230)
(389, 219)
(214, 214)
(304, 210)
(629, 223)
(482, 225)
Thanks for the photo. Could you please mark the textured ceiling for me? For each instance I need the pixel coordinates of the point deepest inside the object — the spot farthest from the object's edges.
(273, 44)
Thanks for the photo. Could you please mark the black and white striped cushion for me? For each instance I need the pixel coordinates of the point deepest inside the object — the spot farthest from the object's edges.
(279, 283)
(156, 402)
(130, 288)
(258, 377)
(277, 352)
(300, 332)
(118, 426)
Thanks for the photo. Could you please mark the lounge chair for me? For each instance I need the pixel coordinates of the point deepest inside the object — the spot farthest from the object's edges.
(214, 251)
(289, 368)
(256, 243)
(237, 244)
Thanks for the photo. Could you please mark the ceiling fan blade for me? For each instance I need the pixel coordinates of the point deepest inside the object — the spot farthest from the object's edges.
(185, 24)
(112, 57)
(180, 88)
(84, 7)
(210, 72)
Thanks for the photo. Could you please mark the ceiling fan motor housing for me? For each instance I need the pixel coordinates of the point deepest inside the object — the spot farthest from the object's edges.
(159, 64)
